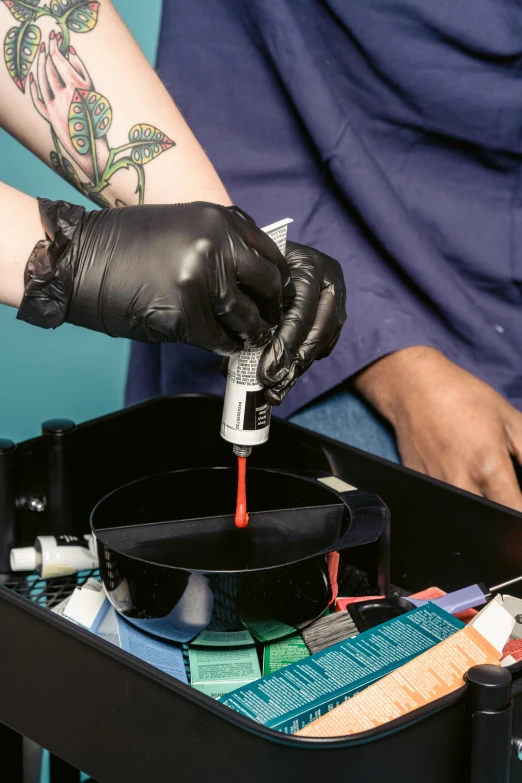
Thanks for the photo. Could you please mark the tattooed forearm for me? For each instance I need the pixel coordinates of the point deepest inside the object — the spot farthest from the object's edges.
(64, 95)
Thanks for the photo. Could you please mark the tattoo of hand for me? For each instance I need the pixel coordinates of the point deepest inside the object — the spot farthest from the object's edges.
(58, 78)
(64, 95)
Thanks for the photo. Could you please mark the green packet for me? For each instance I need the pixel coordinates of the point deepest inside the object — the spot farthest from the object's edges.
(220, 664)
(277, 655)
(216, 672)
(284, 652)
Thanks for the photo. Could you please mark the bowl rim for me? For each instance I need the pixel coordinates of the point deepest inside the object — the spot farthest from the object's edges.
(328, 491)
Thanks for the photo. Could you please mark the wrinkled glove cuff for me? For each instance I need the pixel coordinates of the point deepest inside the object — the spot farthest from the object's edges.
(50, 271)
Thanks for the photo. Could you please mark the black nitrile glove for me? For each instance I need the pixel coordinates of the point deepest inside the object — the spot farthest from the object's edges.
(193, 273)
(311, 324)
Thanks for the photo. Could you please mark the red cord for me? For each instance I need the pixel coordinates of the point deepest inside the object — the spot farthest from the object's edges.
(241, 518)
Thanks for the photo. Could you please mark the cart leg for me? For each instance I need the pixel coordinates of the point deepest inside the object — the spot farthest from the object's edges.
(491, 709)
(62, 772)
(11, 755)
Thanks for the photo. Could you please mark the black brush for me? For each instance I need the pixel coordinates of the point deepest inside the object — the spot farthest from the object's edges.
(333, 628)
(361, 616)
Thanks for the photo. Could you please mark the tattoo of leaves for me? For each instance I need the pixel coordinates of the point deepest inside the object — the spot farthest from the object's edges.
(20, 47)
(57, 164)
(147, 142)
(22, 10)
(90, 117)
(63, 166)
(80, 16)
(66, 170)
(90, 114)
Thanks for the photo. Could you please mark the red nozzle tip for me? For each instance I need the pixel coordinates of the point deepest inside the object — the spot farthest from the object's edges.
(241, 517)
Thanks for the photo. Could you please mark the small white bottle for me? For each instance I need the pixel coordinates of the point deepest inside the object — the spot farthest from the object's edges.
(58, 556)
(246, 414)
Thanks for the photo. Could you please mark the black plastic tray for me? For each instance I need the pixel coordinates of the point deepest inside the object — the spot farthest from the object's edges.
(122, 721)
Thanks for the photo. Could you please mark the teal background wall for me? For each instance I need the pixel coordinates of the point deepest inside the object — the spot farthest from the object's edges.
(67, 372)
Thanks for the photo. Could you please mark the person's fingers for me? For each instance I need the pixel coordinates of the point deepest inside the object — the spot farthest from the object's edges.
(460, 480)
(257, 240)
(261, 280)
(172, 325)
(326, 330)
(463, 478)
(240, 316)
(215, 338)
(199, 325)
(496, 478)
(274, 395)
(514, 434)
(39, 105)
(277, 362)
(43, 84)
(80, 68)
(318, 343)
(56, 83)
(61, 64)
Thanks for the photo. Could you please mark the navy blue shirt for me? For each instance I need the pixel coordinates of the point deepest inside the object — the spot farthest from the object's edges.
(391, 131)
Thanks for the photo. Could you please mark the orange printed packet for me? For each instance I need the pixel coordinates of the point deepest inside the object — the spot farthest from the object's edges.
(424, 679)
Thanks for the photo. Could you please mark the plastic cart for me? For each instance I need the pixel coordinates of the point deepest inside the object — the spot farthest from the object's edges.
(98, 709)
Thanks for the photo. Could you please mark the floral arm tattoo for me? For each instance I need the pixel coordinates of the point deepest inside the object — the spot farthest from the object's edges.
(64, 95)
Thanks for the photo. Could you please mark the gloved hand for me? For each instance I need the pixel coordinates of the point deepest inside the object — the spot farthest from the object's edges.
(194, 273)
(311, 325)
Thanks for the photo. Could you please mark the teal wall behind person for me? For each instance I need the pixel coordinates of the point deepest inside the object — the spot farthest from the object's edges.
(67, 372)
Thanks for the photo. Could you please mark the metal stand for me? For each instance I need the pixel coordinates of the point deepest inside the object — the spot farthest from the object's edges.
(491, 708)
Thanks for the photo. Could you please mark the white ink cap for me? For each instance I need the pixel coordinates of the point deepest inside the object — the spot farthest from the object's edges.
(23, 559)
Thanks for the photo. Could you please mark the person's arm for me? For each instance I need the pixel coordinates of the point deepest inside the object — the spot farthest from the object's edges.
(20, 229)
(76, 89)
(60, 262)
(195, 273)
(449, 424)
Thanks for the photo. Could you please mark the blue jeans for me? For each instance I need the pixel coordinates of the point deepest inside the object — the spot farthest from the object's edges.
(345, 416)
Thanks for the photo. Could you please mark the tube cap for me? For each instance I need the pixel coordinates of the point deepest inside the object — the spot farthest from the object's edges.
(23, 559)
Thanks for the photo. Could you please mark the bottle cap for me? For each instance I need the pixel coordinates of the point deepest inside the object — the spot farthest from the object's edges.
(23, 559)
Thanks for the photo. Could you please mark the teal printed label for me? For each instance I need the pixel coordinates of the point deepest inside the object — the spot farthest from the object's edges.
(295, 696)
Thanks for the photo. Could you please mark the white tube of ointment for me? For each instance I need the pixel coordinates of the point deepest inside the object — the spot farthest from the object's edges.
(56, 556)
(246, 415)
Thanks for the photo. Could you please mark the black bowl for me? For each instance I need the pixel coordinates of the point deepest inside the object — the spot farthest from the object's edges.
(174, 564)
